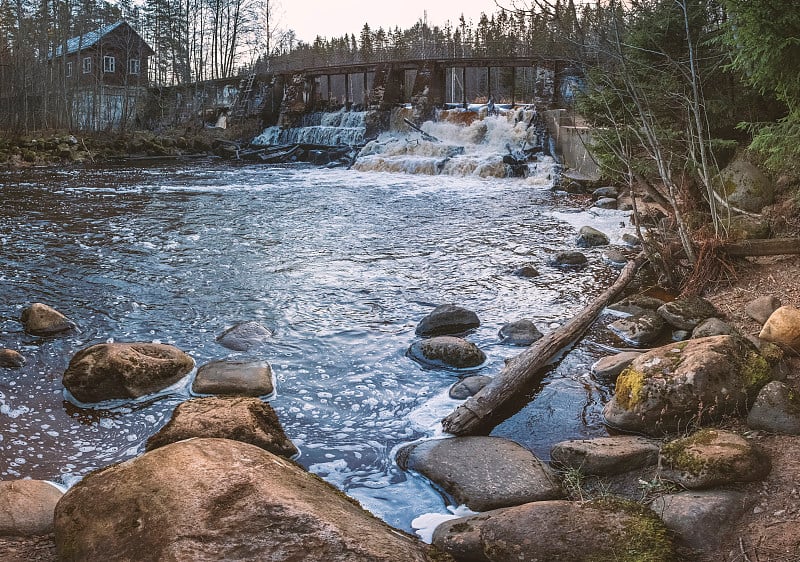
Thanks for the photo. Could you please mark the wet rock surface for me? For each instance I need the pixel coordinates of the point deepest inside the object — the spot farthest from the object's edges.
(245, 336)
(447, 319)
(42, 320)
(11, 359)
(234, 377)
(446, 351)
(522, 332)
(468, 386)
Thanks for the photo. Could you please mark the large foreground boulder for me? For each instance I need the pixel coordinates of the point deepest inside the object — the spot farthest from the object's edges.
(682, 384)
(242, 419)
(482, 472)
(216, 499)
(558, 531)
(124, 370)
(746, 187)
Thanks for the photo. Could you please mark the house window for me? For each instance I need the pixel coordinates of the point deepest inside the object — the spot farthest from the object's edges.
(133, 66)
(109, 64)
(69, 69)
(87, 65)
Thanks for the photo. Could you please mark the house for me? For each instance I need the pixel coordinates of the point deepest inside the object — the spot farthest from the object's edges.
(105, 74)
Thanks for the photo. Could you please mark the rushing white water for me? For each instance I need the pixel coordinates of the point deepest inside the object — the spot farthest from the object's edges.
(326, 129)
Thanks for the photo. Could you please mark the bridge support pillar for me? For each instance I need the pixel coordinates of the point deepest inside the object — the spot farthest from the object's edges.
(295, 100)
(387, 88)
(429, 90)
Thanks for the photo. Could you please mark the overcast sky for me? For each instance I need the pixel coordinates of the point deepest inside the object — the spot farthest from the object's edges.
(334, 18)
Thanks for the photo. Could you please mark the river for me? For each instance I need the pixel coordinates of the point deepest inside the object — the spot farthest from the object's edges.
(340, 263)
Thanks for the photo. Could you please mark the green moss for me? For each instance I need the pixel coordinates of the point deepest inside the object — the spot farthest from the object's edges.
(756, 372)
(678, 456)
(628, 390)
(644, 538)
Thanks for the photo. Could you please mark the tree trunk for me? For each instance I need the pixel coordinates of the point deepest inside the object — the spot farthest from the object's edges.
(480, 412)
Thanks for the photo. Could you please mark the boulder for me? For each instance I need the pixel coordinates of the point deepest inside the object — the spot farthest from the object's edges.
(673, 387)
(589, 237)
(776, 409)
(526, 270)
(239, 378)
(124, 370)
(606, 203)
(712, 327)
(605, 192)
(761, 309)
(446, 351)
(640, 329)
(700, 518)
(605, 455)
(241, 419)
(11, 359)
(605, 529)
(41, 320)
(636, 304)
(447, 319)
(614, 257)
(746, 187)
(468, 386)
(687, 313)
(26, 507)
(607, 368)
(522, 332)
(712, 457)
(783, 327)
(217, 499)
(569, 260)
(482, 472)
(245, 336)
(631, 240)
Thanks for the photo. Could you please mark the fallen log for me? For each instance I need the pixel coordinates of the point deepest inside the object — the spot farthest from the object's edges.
(481, 412)
(763, 247)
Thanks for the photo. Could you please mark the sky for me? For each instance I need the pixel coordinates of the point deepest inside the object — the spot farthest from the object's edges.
(334, 18)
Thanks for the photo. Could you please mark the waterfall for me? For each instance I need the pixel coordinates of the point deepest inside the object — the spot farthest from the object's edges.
(318, 128)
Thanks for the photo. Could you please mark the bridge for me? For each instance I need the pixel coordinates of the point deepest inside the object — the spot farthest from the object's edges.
(427, 83)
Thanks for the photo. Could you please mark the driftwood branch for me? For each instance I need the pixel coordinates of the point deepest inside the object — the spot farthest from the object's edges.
(481, 412)
(767, 247)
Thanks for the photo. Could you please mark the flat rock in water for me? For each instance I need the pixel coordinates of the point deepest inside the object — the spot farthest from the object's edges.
(245, 336)
(713, 327)
(640, 329)
(447, 319)
(10, 359)
(761, 309)
(522, 332)
(569, 260)
(218, 499)
(700, 518)
(124, 370)
(712, 457)
(42, 320)
(605, 529)
(446, 351)
(468, 386)
(687, 313)
(670, 388)
(238, 378)
(776, 409)
(783, 327)
(589, 237)
(244, 419)
(605, 455)
(482, 472)
(607, 368)
(26, 507)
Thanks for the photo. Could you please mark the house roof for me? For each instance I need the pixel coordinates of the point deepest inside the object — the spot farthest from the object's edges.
(89, 39)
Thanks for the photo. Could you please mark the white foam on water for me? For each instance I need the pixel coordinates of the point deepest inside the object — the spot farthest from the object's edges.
(425, 524)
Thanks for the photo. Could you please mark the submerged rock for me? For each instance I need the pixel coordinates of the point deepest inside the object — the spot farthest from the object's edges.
(446, 351)
(124, 370)
(712, 457)
(522, 332)
(447, 319)
(682, 384)
(239, 378)
(242, 419)
(41, 320)
(11, 359)
(217, 499)
(244, 336)
(468, 386)
(605, 529)
(482, 472)
(526, 271)
(26, 507)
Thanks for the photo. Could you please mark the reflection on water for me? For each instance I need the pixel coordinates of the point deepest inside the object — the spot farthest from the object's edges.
(340, 264)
